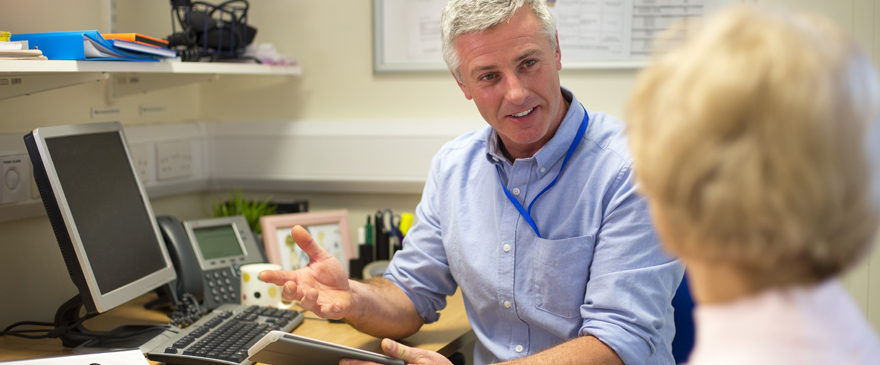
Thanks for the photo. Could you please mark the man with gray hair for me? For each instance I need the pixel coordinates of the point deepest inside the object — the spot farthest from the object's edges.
(534, 217)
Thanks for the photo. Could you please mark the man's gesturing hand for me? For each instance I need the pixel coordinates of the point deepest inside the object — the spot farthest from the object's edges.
(321, 287)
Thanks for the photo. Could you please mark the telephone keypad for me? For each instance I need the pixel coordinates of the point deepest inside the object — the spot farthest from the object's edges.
(221, 289)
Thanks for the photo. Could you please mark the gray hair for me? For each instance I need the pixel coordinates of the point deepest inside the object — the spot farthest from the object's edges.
(466, 16)
(757, 142)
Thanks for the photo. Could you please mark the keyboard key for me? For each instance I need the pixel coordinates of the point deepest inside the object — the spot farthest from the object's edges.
(224, 336)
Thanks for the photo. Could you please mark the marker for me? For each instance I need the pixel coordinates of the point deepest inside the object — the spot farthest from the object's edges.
(405, 223)
(368, 234)
(382, 249)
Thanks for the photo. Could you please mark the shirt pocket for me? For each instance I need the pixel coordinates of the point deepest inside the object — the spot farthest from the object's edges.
(561, 273)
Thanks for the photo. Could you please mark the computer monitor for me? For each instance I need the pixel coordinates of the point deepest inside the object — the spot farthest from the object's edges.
(100, 213)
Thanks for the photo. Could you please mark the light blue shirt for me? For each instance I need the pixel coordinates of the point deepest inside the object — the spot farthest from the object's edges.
(599, 270)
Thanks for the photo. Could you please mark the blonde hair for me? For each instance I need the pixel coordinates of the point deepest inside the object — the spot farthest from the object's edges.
(467, 16)
(753, 142)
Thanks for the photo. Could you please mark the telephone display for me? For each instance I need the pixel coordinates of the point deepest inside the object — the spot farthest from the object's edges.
(218, 242)
(207, 254)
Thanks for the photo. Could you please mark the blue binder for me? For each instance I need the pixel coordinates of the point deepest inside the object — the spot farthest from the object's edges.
(82, 45)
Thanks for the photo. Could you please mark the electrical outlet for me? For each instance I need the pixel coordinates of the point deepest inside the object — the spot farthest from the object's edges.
(14, 178)
(174, 159)
(142, 160)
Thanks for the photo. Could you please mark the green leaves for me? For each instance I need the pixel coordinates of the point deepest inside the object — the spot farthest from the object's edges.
(237, 204)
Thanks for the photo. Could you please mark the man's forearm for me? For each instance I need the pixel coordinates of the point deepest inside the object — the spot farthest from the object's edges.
(381, 309)
(582, 350)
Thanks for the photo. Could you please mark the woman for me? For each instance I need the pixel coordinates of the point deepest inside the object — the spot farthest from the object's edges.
(756, 144)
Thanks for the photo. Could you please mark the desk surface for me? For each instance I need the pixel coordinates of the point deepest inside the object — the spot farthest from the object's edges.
(445, 336)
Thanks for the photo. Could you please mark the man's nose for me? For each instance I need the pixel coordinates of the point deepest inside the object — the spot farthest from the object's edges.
(515, 91)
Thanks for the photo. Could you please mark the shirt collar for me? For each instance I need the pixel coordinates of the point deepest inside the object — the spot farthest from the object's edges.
(556, 147)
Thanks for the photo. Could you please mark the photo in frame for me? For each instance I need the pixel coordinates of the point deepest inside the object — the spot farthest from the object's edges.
(328, 228)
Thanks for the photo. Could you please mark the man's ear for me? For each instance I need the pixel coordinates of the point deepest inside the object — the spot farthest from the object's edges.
(558, 53)
(464, 89)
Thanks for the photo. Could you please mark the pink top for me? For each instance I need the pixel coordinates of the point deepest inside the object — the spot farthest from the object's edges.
(798, 325)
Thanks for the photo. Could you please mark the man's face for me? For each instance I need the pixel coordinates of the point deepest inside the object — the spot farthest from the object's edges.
(512, 74)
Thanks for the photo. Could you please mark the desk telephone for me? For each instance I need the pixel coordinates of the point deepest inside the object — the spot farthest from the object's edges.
(207, 254)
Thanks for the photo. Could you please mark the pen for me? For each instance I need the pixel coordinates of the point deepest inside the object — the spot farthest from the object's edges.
(381, 238)
(365, 237)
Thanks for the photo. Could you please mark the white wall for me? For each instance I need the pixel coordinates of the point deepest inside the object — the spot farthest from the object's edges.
(333, 41)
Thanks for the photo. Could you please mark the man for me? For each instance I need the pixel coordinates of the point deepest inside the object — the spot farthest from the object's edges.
(535, 218)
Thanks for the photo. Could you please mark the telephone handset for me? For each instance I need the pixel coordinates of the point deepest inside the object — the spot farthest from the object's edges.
(207, 254)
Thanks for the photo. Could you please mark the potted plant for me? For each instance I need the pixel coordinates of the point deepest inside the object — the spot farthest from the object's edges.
(237, 204)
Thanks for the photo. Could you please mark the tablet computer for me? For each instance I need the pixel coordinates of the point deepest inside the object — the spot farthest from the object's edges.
(280, 348)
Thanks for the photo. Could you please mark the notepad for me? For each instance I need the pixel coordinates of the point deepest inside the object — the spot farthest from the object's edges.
(136, 38)
(137, 47)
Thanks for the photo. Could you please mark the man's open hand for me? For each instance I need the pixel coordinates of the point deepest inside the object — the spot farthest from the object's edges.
(321, 287)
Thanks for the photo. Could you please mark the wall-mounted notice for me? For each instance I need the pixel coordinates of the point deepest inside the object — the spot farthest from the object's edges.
(592, 33)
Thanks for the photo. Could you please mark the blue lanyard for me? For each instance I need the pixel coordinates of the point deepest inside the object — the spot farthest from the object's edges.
(526, 214)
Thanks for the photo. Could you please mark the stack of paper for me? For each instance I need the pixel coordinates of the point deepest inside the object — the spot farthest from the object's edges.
(19, 51)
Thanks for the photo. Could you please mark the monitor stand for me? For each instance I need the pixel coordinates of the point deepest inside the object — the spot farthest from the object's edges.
(142, 337)
(70, 329)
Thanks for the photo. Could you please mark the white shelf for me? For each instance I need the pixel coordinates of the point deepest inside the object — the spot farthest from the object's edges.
(18, 77)
(220, 68)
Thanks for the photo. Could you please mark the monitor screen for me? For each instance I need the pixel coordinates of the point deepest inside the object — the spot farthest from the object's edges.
(217, 242)
(101, 215)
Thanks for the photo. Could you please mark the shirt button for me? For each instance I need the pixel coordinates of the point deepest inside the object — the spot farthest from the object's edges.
(516, 191)
(506, 247)
(543, 170)
(507, 305)
(519, 348)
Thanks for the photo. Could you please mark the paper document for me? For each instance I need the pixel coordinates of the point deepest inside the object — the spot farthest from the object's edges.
(13, 46)
(94, 49)
(128, 357)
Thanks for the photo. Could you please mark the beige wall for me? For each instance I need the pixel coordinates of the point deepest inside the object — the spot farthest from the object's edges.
(333, 41)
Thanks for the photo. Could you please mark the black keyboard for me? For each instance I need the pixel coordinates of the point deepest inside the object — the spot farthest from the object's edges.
(224, 335)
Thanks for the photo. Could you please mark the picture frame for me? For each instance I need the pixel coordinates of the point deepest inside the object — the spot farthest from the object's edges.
(328, 228)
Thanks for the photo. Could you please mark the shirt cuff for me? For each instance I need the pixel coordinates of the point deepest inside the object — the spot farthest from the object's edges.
(631, 349)
(425, 307)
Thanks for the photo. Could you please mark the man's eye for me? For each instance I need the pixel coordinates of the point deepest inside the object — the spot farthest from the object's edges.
(487, 77)
(529, 63)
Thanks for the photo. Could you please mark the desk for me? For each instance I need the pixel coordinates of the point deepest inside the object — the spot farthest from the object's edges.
(445, 336)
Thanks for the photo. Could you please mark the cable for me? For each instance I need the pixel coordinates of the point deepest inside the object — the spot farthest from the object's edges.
(68, 326)
(187, 312)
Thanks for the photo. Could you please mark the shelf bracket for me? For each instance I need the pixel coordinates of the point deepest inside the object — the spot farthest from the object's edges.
(135, 83)
(12, 85)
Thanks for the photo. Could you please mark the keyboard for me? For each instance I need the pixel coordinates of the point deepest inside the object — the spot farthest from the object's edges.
(224, 335)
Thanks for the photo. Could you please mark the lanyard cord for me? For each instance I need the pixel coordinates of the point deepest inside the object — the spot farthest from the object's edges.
(526, 214)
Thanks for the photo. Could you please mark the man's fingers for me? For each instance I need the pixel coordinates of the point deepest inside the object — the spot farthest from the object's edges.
(277, 277)
(411, 355)
(305, 241)
(308, 300)
(290, 291)
(396, 350)
(331, 310)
